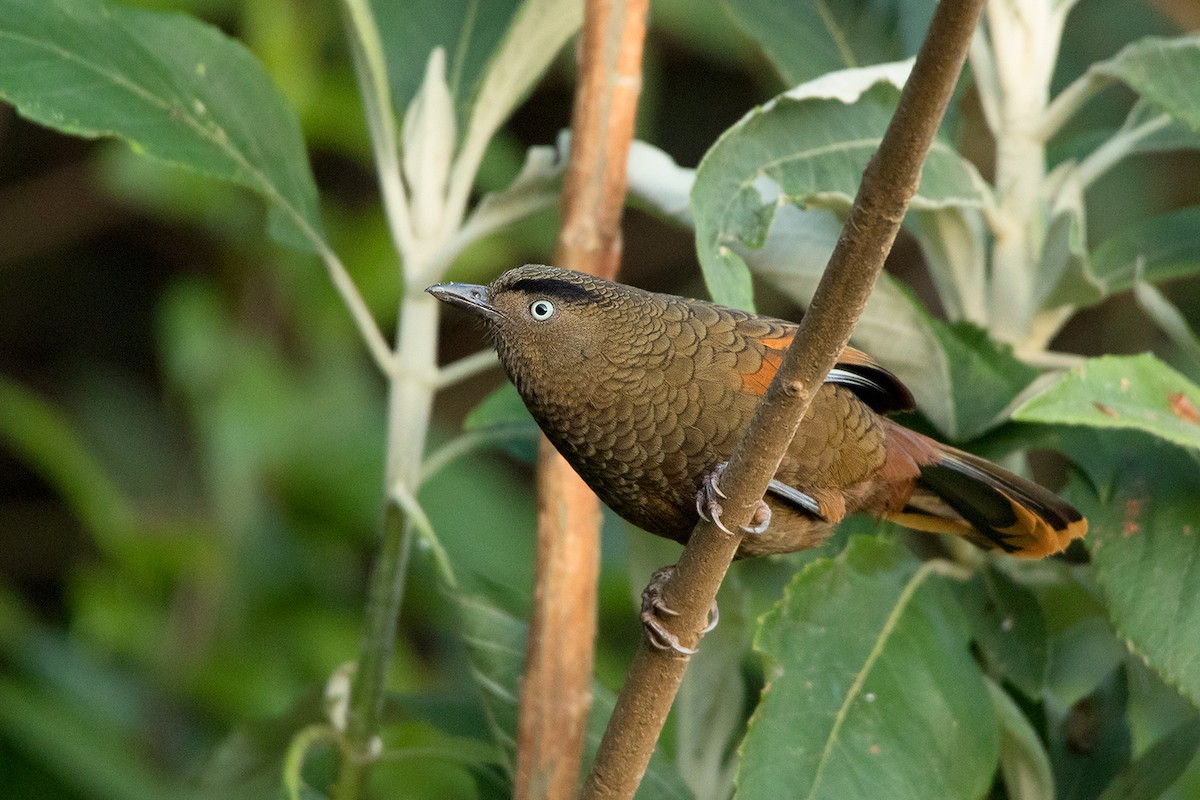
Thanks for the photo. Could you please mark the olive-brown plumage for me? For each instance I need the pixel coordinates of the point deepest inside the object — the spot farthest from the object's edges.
(645, 394)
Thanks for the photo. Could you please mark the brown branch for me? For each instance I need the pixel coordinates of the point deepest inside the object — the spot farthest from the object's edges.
(889, 182)
(556, 692)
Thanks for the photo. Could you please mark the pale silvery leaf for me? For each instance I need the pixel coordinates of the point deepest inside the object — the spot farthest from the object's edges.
(656, 178)
(848, 85)
(429, 136)
(953, 242)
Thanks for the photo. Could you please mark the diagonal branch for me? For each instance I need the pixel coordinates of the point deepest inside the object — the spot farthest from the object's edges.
(556, 692)
(889, 182)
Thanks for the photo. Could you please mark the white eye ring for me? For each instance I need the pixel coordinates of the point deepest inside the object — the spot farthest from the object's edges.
(541, 310)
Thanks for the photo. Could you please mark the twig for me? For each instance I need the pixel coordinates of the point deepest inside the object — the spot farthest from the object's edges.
(888, 183)
(466, 367)
(556, 692)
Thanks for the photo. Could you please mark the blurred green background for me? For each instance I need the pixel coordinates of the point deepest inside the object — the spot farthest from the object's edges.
(190, 472)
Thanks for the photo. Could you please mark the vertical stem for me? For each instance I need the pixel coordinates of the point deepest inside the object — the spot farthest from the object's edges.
(409, 404)
(556, 692)
(1025, 36)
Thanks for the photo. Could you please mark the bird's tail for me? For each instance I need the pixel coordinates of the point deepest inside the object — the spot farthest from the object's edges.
(966, 495)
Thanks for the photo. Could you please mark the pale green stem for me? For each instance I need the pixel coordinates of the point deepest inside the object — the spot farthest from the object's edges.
(470, 441)
(1107, 155)
(987, 84)
(368, 328)
(1024, 37)
(360, 746)
(466, 367)
(1069, 100)
(409, 405)
(420, 520)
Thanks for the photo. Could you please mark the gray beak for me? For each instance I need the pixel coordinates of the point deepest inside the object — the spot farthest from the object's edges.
(469, 296)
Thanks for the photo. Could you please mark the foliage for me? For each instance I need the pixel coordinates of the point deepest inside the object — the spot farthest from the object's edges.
(227, 528)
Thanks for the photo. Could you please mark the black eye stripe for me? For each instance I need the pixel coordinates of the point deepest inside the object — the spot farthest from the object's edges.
(552, 287)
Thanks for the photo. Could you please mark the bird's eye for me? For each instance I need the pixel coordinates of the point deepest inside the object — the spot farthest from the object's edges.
(541, 310)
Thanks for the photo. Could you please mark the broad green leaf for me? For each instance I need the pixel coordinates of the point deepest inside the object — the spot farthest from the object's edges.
(807, 38)
(1150, 776)
(1009, 630)
(805, 149)
(1089, 742)
(1159, 248)
(81, 752)
(496, 643)
(1081, 658)
(1145, 546)
(984, 376)
(871, 689)
(172, 87)
(1138, 392)
(1164, 71)
(953, 242)
(1023, 760)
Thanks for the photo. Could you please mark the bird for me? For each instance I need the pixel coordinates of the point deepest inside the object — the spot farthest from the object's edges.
(646, 395)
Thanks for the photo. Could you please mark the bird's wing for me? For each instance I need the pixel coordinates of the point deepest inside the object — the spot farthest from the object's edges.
(857, 371)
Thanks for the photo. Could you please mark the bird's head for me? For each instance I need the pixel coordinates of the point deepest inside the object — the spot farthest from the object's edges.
(543, 318)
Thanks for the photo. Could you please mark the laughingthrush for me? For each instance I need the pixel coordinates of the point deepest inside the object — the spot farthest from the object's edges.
(646, 394)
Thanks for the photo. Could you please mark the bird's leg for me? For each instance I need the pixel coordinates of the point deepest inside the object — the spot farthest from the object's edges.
(708, 505)
(653, 608)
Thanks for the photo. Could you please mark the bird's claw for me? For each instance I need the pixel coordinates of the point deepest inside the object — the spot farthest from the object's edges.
(653, 607)
(709, 509)
(760, 521)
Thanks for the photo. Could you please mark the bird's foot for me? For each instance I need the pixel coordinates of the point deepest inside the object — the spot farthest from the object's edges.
(654, 608)
(708, 505)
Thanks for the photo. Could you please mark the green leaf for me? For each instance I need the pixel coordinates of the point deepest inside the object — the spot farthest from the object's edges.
(1009, 630)
(871, 688)
(953, 242)
(537, 31)
(1164, 71)
(82, 752)
(1089, 743)
(808, 38)
(711, 705)
(1023, 760)
(1081, 658)
(1145, 546)
(1159, 248)
(806, 147)
(1150, 776)
(468, 30)
(503, 417)
(983, 376)
(174, 88)
(1138, 392)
